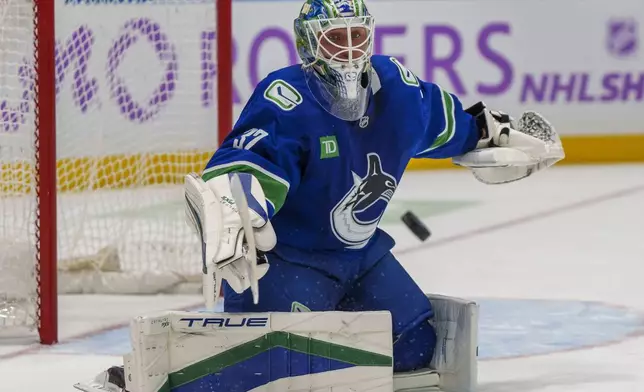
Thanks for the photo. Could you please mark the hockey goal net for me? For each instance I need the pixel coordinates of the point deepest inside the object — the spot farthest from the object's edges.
(103, 108)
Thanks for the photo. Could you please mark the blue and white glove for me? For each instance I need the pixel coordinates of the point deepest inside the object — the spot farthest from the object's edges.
(228, 253)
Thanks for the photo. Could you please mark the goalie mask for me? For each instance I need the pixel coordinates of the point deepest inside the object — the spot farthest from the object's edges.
(335, 42)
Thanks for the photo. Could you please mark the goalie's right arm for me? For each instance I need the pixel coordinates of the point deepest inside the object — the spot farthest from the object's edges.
(212, 212)
(266, 150)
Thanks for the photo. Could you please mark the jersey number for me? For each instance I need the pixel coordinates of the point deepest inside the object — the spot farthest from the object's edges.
(249, 138)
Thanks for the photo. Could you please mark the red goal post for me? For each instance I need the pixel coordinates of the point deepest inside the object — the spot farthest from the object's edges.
(104, 106)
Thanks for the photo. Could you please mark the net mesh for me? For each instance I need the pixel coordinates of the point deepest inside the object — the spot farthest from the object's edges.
(18, 285)
(135, 112)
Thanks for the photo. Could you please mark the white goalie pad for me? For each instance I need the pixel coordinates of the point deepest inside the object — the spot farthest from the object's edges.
(308, 351)
(456, 324)
(454, 365)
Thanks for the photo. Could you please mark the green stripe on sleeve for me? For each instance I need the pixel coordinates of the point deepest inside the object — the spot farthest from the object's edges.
(450, 122)
(275, 188)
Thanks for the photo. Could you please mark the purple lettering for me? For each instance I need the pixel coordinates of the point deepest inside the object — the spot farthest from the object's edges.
(380, 34)
(560, 85)
(447, 63)
(236, 96)
(501, 62)
(609, 83)
(77, 50)
(633, 86)
(130, 33)
(583, 89)
(537, 90)
(272, 33)
(209, 68)
(12, 118)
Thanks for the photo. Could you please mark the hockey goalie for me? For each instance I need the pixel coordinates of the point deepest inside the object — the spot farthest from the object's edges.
(288, 209)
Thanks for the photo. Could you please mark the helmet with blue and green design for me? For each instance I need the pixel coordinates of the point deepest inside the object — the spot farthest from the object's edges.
(334, 39)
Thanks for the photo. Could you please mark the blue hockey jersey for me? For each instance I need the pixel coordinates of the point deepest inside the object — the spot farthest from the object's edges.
(328, 181)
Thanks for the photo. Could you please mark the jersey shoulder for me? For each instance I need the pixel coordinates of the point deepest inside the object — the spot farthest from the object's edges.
(282, 94)
(392, 75)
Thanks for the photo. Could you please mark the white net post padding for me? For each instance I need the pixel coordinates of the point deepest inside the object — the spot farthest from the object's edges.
(136, 110)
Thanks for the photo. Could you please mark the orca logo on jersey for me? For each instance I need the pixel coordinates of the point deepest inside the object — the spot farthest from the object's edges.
(355, 218)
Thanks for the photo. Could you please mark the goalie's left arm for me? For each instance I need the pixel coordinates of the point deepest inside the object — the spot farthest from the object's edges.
(487, 142)
(507, 151)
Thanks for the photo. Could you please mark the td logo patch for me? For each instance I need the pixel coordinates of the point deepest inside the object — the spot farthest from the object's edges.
(329, 147)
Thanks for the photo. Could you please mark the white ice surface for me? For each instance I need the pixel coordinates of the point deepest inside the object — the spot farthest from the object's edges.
(571, 233)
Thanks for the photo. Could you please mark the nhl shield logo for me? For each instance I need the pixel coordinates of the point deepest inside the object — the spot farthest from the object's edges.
(622, 37)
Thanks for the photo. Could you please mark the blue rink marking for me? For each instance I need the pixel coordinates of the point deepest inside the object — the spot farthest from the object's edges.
(510, 328)
(507, 328)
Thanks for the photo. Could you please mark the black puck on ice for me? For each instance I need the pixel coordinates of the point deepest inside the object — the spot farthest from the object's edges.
(416, 225)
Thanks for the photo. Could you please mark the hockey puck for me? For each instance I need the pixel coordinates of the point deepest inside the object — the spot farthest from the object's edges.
(416, 226)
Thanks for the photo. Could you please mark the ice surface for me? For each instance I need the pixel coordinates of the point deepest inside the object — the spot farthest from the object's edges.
(556, 262)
